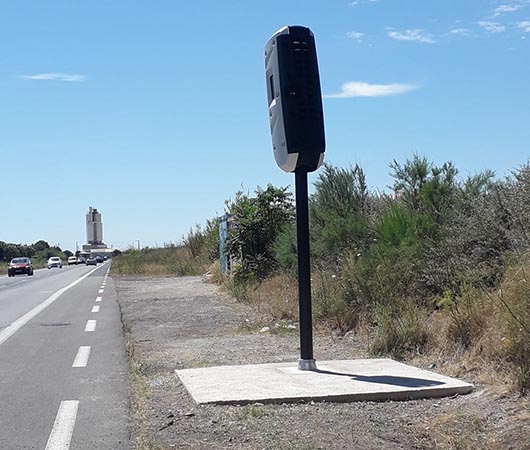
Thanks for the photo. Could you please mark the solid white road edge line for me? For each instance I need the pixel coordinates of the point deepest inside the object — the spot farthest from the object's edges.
(13, 327)
(81, 359)
(98, 299)
(63, 428)
(90, 325)
(95, 308)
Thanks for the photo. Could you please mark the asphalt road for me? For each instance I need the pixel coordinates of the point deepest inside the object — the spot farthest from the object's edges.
(63, 370)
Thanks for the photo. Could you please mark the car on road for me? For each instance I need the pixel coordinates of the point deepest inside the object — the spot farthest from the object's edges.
(91, 261)
(19, 265)
(81, 260)
(72, 260)
(55, 261)
(99, 259)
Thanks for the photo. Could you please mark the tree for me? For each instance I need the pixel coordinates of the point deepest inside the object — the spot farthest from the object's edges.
(258, 220)
(41, 245)
(426, 188)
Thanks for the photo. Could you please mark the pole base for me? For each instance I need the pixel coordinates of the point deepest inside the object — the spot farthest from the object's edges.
(307, 364)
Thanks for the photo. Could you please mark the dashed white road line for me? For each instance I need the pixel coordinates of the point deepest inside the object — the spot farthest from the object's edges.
(81, 359)
(90, 325)
(63, 428)
(98, 299)
(95, 309)
(13, 327)
(100, 291)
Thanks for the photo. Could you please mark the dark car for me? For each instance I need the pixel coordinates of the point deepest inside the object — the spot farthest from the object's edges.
(99, 259)
(19, 265)
(91, 261)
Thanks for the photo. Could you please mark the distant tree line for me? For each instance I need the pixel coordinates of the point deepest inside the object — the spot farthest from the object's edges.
(40, 250)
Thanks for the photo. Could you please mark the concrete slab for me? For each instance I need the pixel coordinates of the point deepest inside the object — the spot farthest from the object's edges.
(334, 381)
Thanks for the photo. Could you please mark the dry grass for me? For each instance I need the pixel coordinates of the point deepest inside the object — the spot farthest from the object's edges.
(170, 261)
(274, 299)
(139, 371)
(477, 426)
(214, 275)
(330, 306)
(456, 430)
(401, 329)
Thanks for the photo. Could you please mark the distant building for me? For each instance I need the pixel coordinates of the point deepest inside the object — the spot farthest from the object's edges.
(94, 234)
(94, 227)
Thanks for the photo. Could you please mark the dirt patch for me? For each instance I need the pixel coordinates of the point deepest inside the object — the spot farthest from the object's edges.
(185, 323)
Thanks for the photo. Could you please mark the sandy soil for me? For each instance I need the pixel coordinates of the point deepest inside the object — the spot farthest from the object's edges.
(185, 323)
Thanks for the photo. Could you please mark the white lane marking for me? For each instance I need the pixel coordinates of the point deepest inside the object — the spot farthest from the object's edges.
(95, 308)
(101, 291)
(90, 325)
(81, 359)
(63, 428)
(98, 299)
(46, 292)
(13, 327)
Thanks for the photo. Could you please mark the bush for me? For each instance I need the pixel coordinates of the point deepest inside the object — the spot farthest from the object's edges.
(258, 221)
(338, 212)
(285, 250)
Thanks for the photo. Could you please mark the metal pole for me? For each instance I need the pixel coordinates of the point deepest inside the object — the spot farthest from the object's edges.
(304, 272)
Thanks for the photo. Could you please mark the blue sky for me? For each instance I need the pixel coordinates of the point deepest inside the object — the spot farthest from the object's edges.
(155, 112)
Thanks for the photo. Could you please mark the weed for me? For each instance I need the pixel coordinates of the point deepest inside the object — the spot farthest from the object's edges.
(469, 316)
(250, 412)
(400, 329)
(331, 305)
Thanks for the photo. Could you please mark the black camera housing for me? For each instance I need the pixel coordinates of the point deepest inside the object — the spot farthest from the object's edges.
(295, 99)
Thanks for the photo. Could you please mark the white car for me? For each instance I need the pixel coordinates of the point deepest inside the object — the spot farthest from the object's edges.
(55, 261)
(72, 260)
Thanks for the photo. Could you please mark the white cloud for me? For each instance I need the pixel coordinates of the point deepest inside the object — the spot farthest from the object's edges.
(360, 2)
(355, 35)
(524, 25)
(55, 76)
(362, 89)
(460, 31)
(410, 35)
(503, 9)
(492, 27)
(510, 7)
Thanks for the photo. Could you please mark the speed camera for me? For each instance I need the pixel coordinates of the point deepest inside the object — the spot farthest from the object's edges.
(295, 100)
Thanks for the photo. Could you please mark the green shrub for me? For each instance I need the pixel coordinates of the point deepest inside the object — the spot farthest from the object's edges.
(338, 212)
(258, 221)
(285, 250)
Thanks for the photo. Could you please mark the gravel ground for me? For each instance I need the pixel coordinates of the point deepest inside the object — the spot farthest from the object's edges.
(185, 323)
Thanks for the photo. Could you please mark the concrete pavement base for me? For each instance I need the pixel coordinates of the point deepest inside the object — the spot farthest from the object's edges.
(333, 381)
